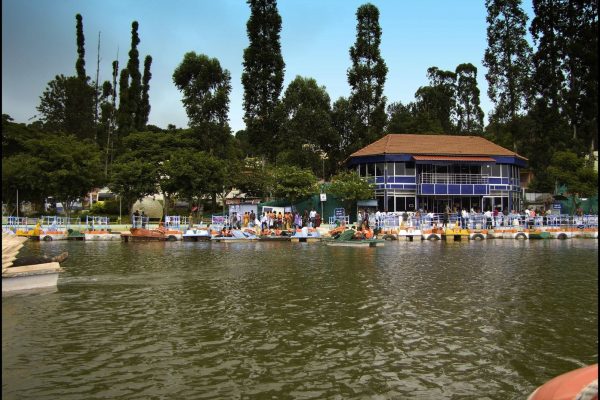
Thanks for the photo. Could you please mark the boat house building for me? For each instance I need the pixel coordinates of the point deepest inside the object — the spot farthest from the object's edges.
(430, 172)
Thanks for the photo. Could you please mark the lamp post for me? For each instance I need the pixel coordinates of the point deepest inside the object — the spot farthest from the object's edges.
(323, 156)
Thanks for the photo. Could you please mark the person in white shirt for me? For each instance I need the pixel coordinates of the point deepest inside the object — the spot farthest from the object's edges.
(311, 217)
(465, 218)
(488, 219)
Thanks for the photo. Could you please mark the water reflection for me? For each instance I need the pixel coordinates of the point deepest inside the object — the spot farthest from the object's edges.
(485, 319)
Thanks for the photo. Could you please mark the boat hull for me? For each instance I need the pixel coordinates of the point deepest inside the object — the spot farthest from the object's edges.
(28, 277)
(105, 236)
(356, 243)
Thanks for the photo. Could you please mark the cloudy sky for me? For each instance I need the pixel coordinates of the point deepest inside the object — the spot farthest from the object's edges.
(38, 43)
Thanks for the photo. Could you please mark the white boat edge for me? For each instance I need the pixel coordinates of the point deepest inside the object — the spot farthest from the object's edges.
(28, 277)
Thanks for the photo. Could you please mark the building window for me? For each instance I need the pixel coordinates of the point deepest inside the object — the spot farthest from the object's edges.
(410, 168)
(379, 169)
(495, 170)
(399, 168)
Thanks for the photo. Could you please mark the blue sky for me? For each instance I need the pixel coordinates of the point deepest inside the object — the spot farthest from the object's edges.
(38, 43)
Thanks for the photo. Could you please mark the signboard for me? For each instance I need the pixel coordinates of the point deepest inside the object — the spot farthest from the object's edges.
(323, 197)
(339, 212)
(241, 201)
(557, 206)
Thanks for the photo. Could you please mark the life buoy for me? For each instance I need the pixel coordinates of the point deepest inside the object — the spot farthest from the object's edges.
(477, 236)
(520, 235)
(47, 238)
(561, 236)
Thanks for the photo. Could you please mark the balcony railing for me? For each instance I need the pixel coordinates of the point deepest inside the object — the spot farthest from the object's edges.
(466, 179)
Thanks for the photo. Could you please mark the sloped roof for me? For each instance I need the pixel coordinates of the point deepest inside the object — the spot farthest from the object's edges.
(447, 145)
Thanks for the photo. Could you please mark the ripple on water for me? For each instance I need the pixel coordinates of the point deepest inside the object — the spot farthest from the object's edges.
(409, 320)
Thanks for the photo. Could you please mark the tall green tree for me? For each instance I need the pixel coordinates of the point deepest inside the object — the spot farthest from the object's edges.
(80, 64)
(124, 115)
(144, 113)
(437, 100)
(306, 134)
(400, 118)
(349, 187)
(293, 183)
(134, 92)
(342, 123)
(263, 75)
(193, 175)
(508, 60)
(581, 68)
(469, 115)
(67, 106)
(367, 78)
(205, 86)
(568, 168)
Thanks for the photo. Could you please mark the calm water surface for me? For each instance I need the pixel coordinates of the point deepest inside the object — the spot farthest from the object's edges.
(479, 320)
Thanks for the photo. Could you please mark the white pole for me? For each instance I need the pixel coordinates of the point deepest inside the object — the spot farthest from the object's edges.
(17, 203)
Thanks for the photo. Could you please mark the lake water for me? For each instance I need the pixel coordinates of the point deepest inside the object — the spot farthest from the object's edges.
(412, 320)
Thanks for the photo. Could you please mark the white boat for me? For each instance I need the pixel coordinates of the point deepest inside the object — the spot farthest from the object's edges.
(26, 277)
(98, 229)
(236, 236)
(196, 234)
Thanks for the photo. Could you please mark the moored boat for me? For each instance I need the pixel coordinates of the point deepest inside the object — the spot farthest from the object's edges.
(98, 229)
(52, 228)
(197, 233)
(25, 277)
(234, 235)
(580, 384)
(353, 238)
(306, 235)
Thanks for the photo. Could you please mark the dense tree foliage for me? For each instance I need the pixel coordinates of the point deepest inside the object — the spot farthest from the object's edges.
(508, 60)
(293, 183)
(349, 187)
(206, 88)
(144, 109)
(40, 165)
(567, 168)
(263, 76)
(367, 79)
(306, 133)
(469, 115)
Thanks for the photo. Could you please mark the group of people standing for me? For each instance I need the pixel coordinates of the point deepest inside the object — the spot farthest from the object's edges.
(277, 220)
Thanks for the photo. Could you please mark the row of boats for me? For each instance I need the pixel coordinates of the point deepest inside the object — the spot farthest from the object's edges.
(97, 228)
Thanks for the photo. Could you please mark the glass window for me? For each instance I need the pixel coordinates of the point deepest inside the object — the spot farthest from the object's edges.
(495, 170)
(380, 203)
(410, 168)
(363, 170)
(441, 169)
(391, 203)
(399, 168)
(390, 168)
(370, 169)
(379, 169)
(504, 169)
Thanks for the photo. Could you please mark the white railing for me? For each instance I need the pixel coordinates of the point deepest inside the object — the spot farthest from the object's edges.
(469, 179)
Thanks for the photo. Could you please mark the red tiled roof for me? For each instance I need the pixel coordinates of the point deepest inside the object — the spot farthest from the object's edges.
(441, 145)
(453, 158)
